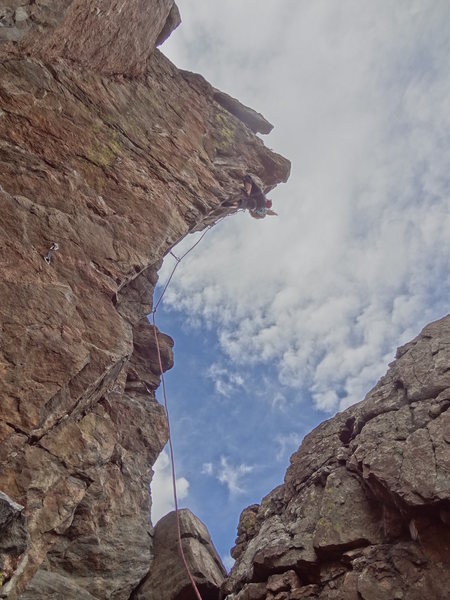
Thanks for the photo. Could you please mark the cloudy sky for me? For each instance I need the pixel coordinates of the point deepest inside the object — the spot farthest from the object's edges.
(357, 261)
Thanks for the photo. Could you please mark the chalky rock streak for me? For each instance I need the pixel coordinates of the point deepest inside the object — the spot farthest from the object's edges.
(111, 153)
(364, 511)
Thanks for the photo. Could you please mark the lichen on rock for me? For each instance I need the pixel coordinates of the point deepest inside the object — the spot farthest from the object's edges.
(108, 150)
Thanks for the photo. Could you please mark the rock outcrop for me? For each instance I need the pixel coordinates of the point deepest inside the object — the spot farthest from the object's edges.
(364, 512)
(168, 579)
(111, 152)
(108, 36)
(13, 535)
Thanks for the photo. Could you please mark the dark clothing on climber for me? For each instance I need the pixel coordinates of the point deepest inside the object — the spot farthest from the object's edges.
(253, 199)
(253, 196)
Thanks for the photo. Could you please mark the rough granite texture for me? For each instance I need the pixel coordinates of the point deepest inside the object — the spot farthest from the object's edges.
(168, 579)
(364, 511)
(13, 535)
(109, 36)
(114, 154)
(110, 151)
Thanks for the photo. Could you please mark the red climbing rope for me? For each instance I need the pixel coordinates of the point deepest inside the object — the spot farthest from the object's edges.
(174, 484)
(163, 385)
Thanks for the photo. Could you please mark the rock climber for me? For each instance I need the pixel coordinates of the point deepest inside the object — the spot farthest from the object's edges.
(252, 195)
(254, 200)
(260, 213)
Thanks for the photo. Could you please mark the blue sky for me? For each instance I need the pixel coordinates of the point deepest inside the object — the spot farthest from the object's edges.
(280, 323)
(232, 449)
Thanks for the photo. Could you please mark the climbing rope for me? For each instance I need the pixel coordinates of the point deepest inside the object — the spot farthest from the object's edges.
(172, 462)
(163, 385)
(178, 260)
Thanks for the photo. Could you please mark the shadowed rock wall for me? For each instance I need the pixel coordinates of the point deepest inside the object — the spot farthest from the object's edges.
(364, 512)
(115, 169)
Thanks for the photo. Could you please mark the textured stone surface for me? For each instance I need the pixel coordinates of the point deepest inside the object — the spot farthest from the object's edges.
(116, 170)
(111, 36)
(255, 121)
(168, 579)
(364, 511)
(13, 537)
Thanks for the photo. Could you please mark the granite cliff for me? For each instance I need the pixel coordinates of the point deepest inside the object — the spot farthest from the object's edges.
(364, 511)
(111, 152)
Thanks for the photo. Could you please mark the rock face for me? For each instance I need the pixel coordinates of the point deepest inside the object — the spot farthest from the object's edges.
(110, 36)
(255, 121)
(115, 170)
(168, 579)
(364, 512)
(113, 154)
(13, 535)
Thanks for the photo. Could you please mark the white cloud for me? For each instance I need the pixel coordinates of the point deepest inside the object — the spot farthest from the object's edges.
(207, 469)
(287, 444)
(229, 475)
(357, 261)
(326, 401)
(225, 382)
(279, 401)
(162, 489)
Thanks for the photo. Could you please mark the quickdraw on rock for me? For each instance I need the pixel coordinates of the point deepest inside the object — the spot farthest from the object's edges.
(175, 257)
(53, 248)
